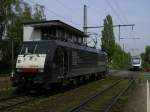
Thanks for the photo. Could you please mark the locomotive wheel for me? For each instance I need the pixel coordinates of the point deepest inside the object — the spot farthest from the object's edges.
(65, 82)
(76, 81)
(99, 76)
(83, 80)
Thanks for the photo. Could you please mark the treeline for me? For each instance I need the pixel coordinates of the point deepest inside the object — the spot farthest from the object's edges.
(146, 58)
(117, 57)
(13, 13)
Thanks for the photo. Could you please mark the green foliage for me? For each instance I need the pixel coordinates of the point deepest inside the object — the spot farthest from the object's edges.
(6, 55)
(146, 57)
(108, 39)
(117, 58)
(23, 13)
(13, 13)
(147, 54)
(121, 59)
(6, 10)
(39, 12)
(144, 63)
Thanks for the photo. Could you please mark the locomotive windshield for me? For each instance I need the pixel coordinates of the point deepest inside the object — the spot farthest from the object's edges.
(136, 61)
(34, 48)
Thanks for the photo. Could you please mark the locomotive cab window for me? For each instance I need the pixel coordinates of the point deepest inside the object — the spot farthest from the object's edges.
(34, 48)
(27, 48)
(136, 61)
(42, 48)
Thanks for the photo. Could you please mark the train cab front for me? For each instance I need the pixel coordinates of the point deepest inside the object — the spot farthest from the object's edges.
(29, 70)
(30, 64)
(137, 67)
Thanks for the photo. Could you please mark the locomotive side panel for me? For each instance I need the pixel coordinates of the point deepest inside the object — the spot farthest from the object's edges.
(85, 62)
(69, 62)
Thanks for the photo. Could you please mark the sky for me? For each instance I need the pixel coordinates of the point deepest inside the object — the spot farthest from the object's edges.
(122, 12)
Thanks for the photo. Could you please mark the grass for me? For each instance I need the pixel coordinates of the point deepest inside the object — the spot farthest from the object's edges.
(106, 98)
(64, 101)
(6, 92)
(143, 78)
(119, 106)
(5, 87)
(5, 82)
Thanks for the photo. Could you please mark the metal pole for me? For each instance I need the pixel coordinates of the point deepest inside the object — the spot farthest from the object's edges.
(85, 20)
(85, 23)
(119, 32)
(119, 26)
(12, 56)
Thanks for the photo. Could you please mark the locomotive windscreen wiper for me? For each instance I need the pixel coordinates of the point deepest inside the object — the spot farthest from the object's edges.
(35, 49)
(28, 48)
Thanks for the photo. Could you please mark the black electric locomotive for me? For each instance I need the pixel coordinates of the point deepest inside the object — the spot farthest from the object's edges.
(54, 52)
(46, 63)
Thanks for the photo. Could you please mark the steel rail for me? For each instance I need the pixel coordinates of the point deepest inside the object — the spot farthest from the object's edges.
(81, 105)
(10, 102)
(116, 98)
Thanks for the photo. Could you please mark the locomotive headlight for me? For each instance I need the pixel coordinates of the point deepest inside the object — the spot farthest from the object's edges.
(19, 70)
(41, 70)
(12, 76)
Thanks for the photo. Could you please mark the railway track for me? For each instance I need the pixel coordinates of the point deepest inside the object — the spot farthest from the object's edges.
(116, 98)
(7, 92)
(5, 89)
(104, 100)
(6, 104)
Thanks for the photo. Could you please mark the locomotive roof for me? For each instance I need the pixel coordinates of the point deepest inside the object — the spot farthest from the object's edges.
(70, 45)
(56, 23)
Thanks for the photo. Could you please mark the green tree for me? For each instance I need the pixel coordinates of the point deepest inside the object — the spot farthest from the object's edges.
(146, 57)
(143, 60)
(7, 9)
(23, 13)
(13, 13)
(117, 57)
(121, 59)
(39, 12)
(108, 39)
(147, 53)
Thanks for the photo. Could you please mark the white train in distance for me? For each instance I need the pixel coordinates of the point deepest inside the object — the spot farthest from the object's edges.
(136, 63)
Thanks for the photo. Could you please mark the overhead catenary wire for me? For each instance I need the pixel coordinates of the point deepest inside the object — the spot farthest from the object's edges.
(121, 11)
(118, 16)
(64, 6)
(123, 16)
(131, 34)
(122, 20)
(114, 11)
(118, 12)
(67, 8)
(56, 14)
